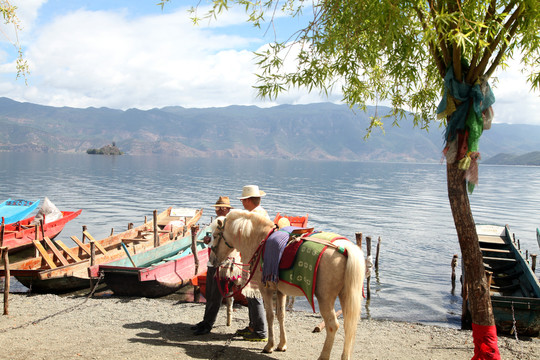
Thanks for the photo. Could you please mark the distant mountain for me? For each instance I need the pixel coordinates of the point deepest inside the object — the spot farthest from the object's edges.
(320, 131)
(531, 159)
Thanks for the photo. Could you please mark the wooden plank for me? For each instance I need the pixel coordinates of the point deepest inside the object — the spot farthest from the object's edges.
(491, 239)
(44, 254)
(67, 250)
(55, 250)
(81, 245)
(134, 239)
(98, 245)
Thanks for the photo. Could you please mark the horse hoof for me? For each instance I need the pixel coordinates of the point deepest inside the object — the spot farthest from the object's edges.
(267, 351)
(282, 349)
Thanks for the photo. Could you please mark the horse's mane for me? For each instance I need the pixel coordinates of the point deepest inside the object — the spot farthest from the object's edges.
(243, 223)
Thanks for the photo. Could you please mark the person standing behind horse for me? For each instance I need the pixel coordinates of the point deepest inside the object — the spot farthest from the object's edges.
(257, 329)
(214, 297)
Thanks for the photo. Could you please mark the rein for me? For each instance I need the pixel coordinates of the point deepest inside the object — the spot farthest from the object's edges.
(253, 262)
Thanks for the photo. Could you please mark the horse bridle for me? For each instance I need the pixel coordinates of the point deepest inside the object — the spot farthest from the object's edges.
(219, 236)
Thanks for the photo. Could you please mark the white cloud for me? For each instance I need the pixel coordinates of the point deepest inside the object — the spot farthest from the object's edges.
(117, 59)
(515, 103)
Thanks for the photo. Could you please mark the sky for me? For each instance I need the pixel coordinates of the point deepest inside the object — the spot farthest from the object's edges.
(126, 54)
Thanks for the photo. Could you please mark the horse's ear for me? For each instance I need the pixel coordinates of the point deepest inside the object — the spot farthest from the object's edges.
(219, 222)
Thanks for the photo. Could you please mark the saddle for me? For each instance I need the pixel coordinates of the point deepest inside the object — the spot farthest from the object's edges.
(297, 237)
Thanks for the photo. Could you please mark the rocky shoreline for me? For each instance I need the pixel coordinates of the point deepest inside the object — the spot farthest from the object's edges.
(108, 327)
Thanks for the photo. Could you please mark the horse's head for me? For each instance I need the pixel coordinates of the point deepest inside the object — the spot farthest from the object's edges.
(221, 249)
(241, 230)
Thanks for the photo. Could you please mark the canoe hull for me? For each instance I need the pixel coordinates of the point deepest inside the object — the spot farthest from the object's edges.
(60, 285)
(19, 236)
(76, 275)
(156, 281)
(172, 268)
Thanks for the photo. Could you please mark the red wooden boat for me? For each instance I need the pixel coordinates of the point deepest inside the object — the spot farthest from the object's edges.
(19, 235)
(200, 281)
(300, 221)
(156, 272)
(60, 269)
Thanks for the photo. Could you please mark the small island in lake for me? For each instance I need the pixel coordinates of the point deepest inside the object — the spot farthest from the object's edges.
(105, 150)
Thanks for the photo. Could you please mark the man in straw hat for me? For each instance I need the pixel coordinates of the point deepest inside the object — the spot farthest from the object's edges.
(257, 329)
(214, 297)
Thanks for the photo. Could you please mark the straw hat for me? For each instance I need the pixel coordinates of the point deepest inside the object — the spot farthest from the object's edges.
(223, 201)
(249, 191)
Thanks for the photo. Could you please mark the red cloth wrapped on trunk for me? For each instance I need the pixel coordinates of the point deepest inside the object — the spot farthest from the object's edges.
(485, 342)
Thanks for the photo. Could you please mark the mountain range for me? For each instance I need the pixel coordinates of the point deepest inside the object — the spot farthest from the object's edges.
(321, 131)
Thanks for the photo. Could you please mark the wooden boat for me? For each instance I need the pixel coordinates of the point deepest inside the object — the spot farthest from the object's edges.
(19, 235)
(514, 288)
(15, 210)
(61, 269)
(300, 221)
(156, 272)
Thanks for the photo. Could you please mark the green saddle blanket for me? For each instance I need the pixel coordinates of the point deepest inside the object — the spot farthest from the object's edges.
(303, 273)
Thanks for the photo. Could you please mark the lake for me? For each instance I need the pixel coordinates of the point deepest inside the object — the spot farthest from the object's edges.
(404, 204)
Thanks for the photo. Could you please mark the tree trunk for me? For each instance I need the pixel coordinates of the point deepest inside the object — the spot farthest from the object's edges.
(476, 282)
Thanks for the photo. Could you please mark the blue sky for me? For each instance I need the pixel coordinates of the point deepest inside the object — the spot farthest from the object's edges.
(130, 54)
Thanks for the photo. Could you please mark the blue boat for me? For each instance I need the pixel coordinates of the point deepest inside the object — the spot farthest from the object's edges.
(16, 210)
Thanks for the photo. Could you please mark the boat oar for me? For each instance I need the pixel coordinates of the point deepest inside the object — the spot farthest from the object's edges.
(128, 255)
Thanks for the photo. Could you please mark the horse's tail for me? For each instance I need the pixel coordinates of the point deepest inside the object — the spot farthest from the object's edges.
(351, 295)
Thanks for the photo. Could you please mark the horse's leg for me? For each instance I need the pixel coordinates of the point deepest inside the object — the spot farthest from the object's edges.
(229, 303)
(280, 312)
(269, 310)
(326, 307)
(290, 302)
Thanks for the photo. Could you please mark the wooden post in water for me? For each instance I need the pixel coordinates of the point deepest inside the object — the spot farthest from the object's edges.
(130, 225)
(369, 266)
(112, 232)
(377, 254)
(83, 235)
(156, 235)
(533, 262)
(358, 236)
(7, 275)
(194, 248)
(454, 264)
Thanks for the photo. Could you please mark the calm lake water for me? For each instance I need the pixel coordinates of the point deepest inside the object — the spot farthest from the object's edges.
(404, 204)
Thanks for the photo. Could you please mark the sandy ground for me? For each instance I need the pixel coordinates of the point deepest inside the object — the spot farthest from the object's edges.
(77, 327)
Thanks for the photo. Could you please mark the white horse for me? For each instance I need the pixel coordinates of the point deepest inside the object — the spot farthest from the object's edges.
(338, 275)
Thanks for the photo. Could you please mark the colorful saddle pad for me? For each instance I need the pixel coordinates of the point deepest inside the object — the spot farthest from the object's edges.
(303, 272)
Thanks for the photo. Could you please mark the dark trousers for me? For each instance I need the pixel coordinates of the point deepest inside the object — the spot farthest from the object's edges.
(213, 297)
(257, 316)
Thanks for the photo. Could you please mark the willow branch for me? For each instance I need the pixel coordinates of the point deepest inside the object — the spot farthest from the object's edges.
(489, 16)
(456, 51)
(499, 56)
(436, 56)
(442, 44)
(493, 46)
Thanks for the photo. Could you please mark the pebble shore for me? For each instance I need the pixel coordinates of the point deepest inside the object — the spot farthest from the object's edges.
(77, 327)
